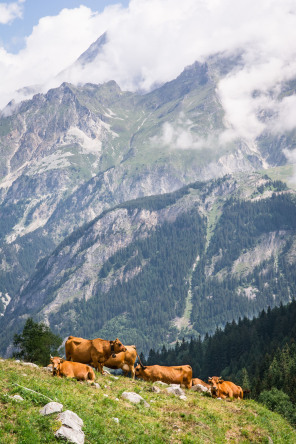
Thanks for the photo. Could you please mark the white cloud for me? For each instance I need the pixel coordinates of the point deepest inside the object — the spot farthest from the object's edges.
(10, 11)
(151, 41)
(180, 135)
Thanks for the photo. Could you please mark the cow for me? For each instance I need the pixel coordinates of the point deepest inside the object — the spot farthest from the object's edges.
(225, 389)
(179, 374)
(81, 372)
(197, 381)
(124, 360)
(92, 351)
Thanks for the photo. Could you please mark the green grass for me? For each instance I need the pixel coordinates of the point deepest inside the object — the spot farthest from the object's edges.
(199, 419)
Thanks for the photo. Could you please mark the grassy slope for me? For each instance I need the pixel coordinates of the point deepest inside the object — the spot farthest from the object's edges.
(200, 419)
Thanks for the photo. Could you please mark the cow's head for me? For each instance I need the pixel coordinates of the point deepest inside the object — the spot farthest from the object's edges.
(139, 370)
(117, 347)
(214, 382)
(56, 362)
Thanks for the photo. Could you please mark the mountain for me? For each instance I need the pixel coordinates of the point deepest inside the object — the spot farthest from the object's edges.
(72, 156)
(164, 267)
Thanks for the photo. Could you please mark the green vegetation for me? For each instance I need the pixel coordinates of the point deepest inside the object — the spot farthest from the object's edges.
(199, 420)
(36, 343)
(163, 260)
(258, 354)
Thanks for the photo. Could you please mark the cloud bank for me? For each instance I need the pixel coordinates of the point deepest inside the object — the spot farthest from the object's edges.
(151, 42)
(11, 11)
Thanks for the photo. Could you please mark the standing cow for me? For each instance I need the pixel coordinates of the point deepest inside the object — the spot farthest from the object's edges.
(179, 374)
(94, 352)
(81, 372)
(124, 360)
(225, 389)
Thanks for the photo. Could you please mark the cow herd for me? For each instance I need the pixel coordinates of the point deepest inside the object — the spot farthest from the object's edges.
(82, 355)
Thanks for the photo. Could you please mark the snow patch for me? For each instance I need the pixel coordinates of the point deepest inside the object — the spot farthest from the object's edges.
(5, 298)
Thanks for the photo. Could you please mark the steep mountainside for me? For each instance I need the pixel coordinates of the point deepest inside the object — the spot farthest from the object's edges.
(164, 267)
(70, 156)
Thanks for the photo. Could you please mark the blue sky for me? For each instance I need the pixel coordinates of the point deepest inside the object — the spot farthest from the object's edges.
(13, 33)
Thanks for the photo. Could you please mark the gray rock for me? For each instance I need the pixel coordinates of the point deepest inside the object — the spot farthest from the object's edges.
(71, 420)
(48, 368)
(155, 389)
(30, 364)
(200, 388)
(116, 420)
(161, 383)
(51, 407)
(17, 397)
(177, 391)
(183, 397)
(74, 436)
(134, 398)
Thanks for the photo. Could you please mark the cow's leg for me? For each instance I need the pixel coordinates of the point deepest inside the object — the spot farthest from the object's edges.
(133, 373)
(99, 367)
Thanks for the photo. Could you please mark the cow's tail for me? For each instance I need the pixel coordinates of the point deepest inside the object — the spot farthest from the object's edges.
(140, 360)
(91, 375)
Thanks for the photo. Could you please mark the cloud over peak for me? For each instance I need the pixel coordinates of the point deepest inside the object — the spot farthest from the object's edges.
(151, 42)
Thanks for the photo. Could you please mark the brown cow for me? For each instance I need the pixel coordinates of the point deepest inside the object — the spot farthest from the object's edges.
(179, 374)
(225, 389)
(196, 381)
(92, 351)
(82, 372)
(124, 360)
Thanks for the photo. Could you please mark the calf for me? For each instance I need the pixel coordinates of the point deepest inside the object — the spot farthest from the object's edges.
(81, 372)
(225, 389)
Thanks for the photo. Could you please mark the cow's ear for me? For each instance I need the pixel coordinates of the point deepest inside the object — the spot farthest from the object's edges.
(221, 380)
(62, 360)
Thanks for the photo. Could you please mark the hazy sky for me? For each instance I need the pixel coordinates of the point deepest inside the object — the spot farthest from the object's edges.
(151, 41)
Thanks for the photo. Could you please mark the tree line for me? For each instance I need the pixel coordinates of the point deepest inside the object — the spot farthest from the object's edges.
(257, 354)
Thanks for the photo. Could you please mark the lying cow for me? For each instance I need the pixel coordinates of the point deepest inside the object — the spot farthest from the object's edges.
(197, 381)
(124, 360)
(94, 352)
(179, 374)
(81, 372)
(225, 389)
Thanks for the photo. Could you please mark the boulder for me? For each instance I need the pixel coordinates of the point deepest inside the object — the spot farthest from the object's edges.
(17, 397)
(71, 420)
(134, 398)
(155, 389)
(161, 383)
(51, 407)
(29, 364)
(176, 390)
(71, 435)
(200, 388)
